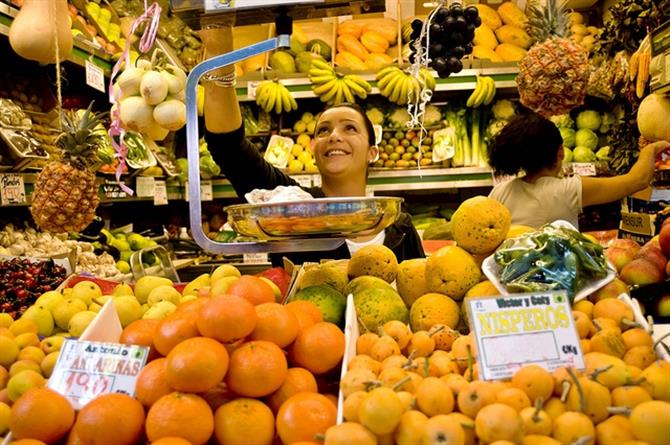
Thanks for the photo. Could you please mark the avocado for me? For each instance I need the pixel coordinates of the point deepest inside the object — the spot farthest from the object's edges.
(330, 302)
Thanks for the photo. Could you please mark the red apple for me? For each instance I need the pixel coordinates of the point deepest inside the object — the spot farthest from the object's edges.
(655, 256)
(612, 289)
(664, 238)
(641, 271)
(619, 257)
(625, 243)
(651, 243)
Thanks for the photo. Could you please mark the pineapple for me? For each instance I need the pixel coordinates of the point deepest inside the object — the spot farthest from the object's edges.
(554, 73)
(66, 193)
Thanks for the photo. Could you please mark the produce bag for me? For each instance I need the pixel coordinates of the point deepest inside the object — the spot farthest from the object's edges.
(552, 258)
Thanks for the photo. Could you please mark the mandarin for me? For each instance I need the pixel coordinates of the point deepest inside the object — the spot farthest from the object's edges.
(41, 414)
(196, 364)
(180, 415)
(110, 419)
(152, 382)
(318, 348)
(257, 368)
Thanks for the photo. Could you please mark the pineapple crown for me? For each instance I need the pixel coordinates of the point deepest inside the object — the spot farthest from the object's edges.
(82, 136)
(547, 21)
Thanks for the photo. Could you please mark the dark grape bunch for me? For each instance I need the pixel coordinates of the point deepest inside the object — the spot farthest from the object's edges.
(22, 281)
(451, 31)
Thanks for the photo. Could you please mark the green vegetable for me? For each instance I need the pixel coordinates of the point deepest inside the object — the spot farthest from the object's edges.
(399, 118)
(568, 135)
(608, 119)
(432, 116)
(603, 153)
(586, 138)
(563, 121)
(588, 119)
(504, 109)
(583, 154)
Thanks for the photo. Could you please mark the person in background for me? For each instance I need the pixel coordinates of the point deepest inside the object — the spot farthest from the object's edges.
(343, 147)
(531, 146)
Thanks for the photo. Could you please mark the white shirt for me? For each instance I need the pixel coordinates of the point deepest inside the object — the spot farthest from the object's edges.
(354, 246)
(542, 202)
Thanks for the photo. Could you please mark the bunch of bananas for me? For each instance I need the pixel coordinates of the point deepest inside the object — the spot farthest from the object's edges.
(272, 95)
(397, 85)
(484, 92)
(334, 88)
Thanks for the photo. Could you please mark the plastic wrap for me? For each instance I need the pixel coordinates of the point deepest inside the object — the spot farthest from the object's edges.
(552, 258)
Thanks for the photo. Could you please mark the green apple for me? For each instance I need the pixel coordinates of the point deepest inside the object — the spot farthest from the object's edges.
(42, 317)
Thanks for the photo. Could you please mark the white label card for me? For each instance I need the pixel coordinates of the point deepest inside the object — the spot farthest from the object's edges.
(95, 77)
(251, 89)
(12, 189)
(206, 191)
(515, 330)
(145, 186)
(255, 258)
(160, 193)
(87, 369)
(303, 180)
(584, 168)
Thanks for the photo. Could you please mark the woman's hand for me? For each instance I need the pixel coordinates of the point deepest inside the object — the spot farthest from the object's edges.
(646, 161)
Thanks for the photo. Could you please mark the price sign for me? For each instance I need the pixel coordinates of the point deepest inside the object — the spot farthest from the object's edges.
(160, 193)
(146, 186)
(316, 181)
(303, 180)
(12, 190)
(514, 330)
(584, 168)
(206, 190)
(255, 258)
(251, 89)
(95, 77)
(86, 370)
(112, 190)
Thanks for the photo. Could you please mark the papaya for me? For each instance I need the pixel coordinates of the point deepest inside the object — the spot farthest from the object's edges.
(352, 45)
(320, 47)
(374, 42)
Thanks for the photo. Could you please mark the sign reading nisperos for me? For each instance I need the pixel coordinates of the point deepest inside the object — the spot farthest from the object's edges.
(514, 330)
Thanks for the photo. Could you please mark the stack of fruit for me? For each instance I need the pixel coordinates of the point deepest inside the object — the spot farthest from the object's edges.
(23, 280)
(502, 36)
(124, 245)
(404, 149)
(366, 44)
(581, 32)
(301, 158)
(95, 24)
(591, 127)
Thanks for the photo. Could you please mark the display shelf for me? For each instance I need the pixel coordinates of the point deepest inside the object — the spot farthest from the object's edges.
(301, 87)
(82, 51)
(379, 180)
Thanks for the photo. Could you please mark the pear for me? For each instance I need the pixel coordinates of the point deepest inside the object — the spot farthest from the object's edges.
(22, 326)
(52, 344)
(186, 298)
(146, 284)
(33, 353)
(122, 289)
(159, 311)
(128, 309)
(50, 299)
(23, 365)
(79, 322)
(49, 363)
(220, 286)
(27, 339)
(25, 380)
(163, 293)
(275, 288)
(63, 313)
(86, 291)
(42, 317)
(224, 270)
(94, 307)
(192, 287)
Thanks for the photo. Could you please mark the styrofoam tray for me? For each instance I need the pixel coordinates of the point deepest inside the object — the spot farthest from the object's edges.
(491, 270)
(658, 330)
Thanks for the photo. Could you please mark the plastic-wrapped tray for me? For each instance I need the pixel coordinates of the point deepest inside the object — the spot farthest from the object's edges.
(323, 217)
(492, 271)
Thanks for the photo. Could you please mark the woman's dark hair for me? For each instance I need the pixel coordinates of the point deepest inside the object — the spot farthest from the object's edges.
(372, 139)
(528, 143)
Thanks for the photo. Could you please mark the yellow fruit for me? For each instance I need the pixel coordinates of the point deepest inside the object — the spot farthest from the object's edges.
(510, 53)
(485, 53)
(511, 14)
(388, 28)
(451, 271)
(22, 382)
(513, 35)
(480, 224)
(649, 422)
(9, 350)
(22, 326)
(6, 320)
(411, 279)
(350, 45)
(49, 363)
(431, 309)
(347, 59)
(378, 61)
(485, 37)
(374, 42)
(351, 27)
(489, 16)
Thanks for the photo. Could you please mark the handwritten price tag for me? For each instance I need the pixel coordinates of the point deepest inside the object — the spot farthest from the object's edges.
(255, 258)
(12, 189)
(146, 186)
(584, 168)
(160, 193)
(86, 370)
(95, 77)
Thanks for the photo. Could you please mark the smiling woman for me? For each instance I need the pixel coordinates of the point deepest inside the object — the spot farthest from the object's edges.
(344, 146)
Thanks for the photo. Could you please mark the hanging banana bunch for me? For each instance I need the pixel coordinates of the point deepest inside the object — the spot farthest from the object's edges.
(271, 95)
(335, 88)
(397, 85)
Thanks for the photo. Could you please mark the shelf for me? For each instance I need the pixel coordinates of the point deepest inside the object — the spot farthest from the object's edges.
(82, 51)
(379, 180)
(301, 87)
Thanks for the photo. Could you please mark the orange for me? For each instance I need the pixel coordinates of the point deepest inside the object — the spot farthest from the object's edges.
(26, 442)
(319, 348)
(307, 307)
(275, 324)
(245, 422)
(172, 330)
(227, 318)
(196, 364)
(41, 414)
(141, 333)
(218, 395)
(110, 419)
(297, 380)
(257, 368)
(180, 415)
(171, 441)
(152, 382)
(303, 416)
(192, 306)
(255, 290)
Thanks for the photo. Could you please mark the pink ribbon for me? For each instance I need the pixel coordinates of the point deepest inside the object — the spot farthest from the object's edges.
(151, 14)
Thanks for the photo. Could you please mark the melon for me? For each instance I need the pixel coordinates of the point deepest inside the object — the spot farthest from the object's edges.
(376, 260)
(653, 117)
(451, 271)
(411, 279)
(480, 224)
(363, 282)
(374, 307)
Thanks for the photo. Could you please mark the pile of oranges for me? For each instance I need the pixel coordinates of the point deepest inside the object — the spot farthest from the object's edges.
(423, 387)
(237, 369)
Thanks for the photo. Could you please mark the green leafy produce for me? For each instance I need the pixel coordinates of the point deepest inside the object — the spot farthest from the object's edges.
(586, 138)
(552, 258)
(627, 24)
(568, 135)
(608, 119)
(504, 109)
(588, 119)
(563, 121)
(583, 154)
